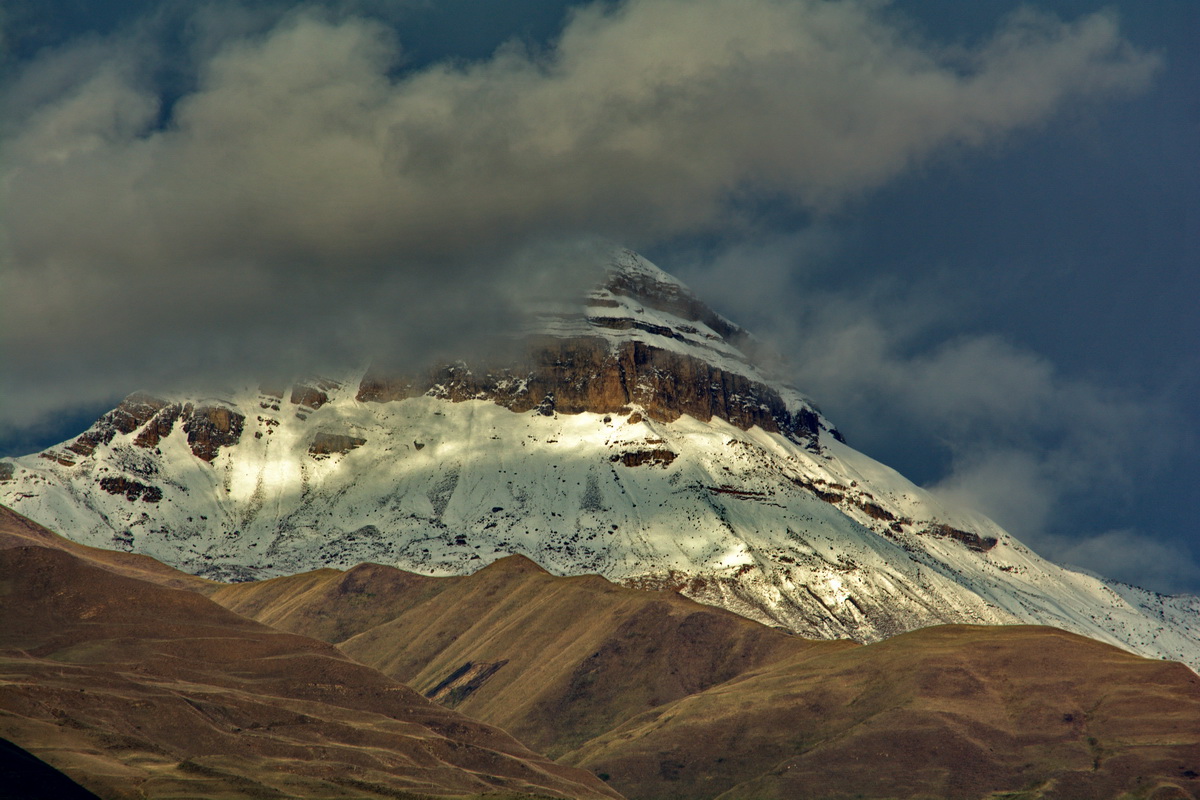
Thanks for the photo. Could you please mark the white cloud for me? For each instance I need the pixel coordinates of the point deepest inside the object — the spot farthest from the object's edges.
(305, 199)
(1130, 556)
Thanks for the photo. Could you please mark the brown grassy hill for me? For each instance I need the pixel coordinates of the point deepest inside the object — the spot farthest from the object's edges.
(330, 604)
(137, 690)
(945, 712)
(669, 699)
(555, 661)
(19, 531)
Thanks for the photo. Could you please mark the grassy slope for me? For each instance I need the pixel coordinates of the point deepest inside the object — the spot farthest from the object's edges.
(946, 712)
(138, 690)
(580, 655)
(675, 700)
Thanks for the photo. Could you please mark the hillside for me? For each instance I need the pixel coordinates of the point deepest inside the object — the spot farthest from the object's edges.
(136, 690)
(670, 699)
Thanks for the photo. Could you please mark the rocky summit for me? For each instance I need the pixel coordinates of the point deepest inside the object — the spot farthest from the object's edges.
(635, 436)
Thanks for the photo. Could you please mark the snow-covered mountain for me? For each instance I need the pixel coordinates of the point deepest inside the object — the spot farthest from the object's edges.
(635, 438)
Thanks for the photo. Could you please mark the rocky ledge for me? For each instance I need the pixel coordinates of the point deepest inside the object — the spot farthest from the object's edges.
(208, 428)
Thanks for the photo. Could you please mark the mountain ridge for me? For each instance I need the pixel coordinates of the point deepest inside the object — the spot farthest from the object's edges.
(638, 443)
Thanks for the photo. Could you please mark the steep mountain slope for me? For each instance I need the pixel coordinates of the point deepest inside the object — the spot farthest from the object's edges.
(554, 661)
(635, 438)
(137, 690)
(671, 699)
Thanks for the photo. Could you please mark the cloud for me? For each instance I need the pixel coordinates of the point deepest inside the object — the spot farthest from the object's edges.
(1131, 557)
(981, 422)
(307, 199)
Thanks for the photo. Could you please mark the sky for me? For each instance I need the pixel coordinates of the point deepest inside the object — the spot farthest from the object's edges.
(970, 230)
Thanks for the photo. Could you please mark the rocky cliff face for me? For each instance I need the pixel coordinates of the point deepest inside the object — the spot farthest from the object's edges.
(589, 374)
(639, 339)
(133, 412)
(209, 428)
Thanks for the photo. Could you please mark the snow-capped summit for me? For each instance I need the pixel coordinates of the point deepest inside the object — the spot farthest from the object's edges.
(634, 437)
(641, 338)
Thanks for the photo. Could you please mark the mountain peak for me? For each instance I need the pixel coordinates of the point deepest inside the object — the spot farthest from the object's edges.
(515, 564)
(632, 278)
(640, 342)
(638, 301)
(633, 438)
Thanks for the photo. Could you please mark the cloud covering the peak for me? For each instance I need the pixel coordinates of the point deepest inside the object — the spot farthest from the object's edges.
(308, 197)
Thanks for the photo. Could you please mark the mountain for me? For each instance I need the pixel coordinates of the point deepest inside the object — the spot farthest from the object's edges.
(667, 698)
(634, 437)
(135, 689)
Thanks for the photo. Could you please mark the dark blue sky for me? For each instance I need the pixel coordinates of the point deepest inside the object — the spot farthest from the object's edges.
(1080, 243)
(1003, 307)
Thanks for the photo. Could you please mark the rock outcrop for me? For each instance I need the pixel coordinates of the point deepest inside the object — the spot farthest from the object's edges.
(660, 457)
(641, 339)
(571, 376)
(159, 427)
(974, 541)
(134, 411)
(209, 428)
(312, 393)
(133, 490)
(325, 444)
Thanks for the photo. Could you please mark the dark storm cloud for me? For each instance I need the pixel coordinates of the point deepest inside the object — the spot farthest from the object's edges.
(308, 201)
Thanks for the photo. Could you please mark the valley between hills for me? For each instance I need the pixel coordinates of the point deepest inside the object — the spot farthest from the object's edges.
(136, 680)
